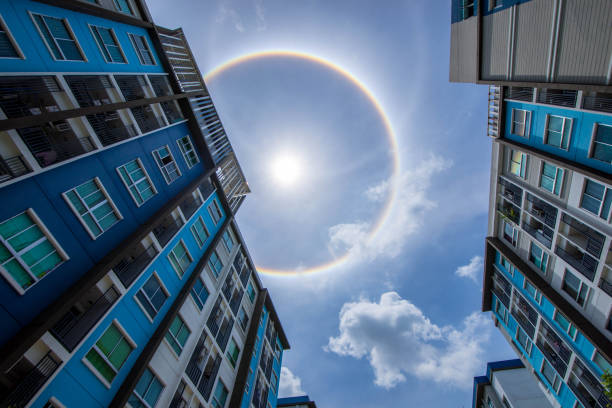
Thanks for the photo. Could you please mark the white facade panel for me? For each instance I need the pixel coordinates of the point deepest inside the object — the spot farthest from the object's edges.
(495, 42)
(531, 46)
(463, 51)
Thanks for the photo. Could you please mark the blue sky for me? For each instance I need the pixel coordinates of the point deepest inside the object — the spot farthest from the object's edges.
(399, 323)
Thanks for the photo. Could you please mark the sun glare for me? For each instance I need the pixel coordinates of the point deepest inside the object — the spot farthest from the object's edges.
(286, 169)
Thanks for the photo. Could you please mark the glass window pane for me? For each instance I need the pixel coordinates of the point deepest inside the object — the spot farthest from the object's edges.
(100, 365)
(109, 339)
(120, 354)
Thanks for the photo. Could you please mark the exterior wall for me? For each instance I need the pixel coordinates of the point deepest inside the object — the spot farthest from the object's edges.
(38, 58)
(518, 387)
(75, 384)
(463, 51)
(254, 363)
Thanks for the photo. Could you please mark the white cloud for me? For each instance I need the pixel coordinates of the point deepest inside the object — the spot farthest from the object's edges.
(226, 12)
(260, 15)
(290, 384)
(399, 340)
(471, 270)
(407, 215)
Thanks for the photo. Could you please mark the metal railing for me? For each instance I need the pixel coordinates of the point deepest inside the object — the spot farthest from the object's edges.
(167, 229)
(72, 328)
(245, 274)
(31, 382)
(597, 101)
(558, 97)
(190, 205)
(208, 379)
(236, 299)
(541, 235)
(586, 265)
(50, 146)
(518, 93)
(146, 119)
(493, 112)
(224, 334)
(605, 285)
(130, 267)
(12, 167)
(594, 240)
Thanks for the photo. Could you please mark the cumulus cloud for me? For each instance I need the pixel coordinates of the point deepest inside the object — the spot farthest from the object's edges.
(399, 340)
(471, 270)
(408, 213)
(290, 384)
(228, 13)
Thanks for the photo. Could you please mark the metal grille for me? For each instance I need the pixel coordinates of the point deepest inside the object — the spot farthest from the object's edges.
(83, 86)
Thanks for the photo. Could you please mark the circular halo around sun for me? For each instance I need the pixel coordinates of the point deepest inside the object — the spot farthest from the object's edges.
(392, 139)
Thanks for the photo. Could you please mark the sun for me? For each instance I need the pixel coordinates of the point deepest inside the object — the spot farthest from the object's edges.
(286, 169)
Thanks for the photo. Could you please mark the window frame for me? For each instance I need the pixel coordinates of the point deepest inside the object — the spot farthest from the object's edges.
(115, 38)
(515, 232)
(233, 363)
(68, 29)
(522, 164)
(210, 212)
(210, 264)
(118, 8)
(185, 152)
(537, 294)
(607, 190)
(4, 27)
(89, 210)
(595, 353)
(591, 154)
(581, 286)
(569, 137)
(137, 50)
(163, 288)
(16, 254)
(171, 252)
(571, 330)
(135, 183)
(213, 398)
(556, 379)
(192, 291)
(502, 316)
(526, 124)
(246, 314)
(169, 333)
(557, 181)
(196, 236)
(141, 398)
(545, 258)
(227, 234)
(162, 166)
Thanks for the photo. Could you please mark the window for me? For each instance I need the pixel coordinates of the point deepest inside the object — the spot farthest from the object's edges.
(8, 46)
(58, 37)
(524, 341)
(243, 318)
(91, 203)
(551, 178)
(596, 199)
(141, 46)
(199, 293)
(180, 258)
(521, 122)
(228, 241)
(273, 381)
(549, 373)
(108, 44)
(152, 296)
(538, 257)
(167, 165)
(533, 292)
(220, 396)
(215, 264)
(199, 231)
(565, 324)
(215, 212)
(506, 264)
(189, 154)
(177, 335)
(510, 233)
(467, 9)
(147, 391)
(137, 181)
(557, 132)
(251, 292)
(123, 6)
(574, 287)
(601, 145)
(601, 362)
(110, 352)
(502, 312)
(518, 163)
(232, 353)
(27, 253)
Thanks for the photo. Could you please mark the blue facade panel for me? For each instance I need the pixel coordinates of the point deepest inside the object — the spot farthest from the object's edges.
(583, 123)
(257, 350)
(16, 14)
(43, 193)
(76, 381)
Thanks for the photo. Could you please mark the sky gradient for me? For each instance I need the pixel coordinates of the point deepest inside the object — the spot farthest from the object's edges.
(399, 322)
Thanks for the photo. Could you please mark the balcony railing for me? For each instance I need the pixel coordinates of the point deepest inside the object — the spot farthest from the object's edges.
(110, 129)
(558, 97)
(72, 327)
(54, 143)
(543, 234)
(224, 334)
(208, 379)
(591, 240)
(167, 229)
(586, 265)
(598, 102)
(12, 167)
(586, 387)
(518, 93)
(227, 287)
(605, 285)
(493, 111)
(130, 267)
(206, 188)
(523, 322)
(540, 209)
(189, 206)
(552, 357)
(146, 119)
(31, 382)
(236, 299)
(244, 275)
(512, 192)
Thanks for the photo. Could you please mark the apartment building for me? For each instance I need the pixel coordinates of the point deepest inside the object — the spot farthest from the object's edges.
(125, 280)
(296, 402)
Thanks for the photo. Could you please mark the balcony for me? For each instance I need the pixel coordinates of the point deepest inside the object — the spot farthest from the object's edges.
(22, 96)
(541, 210)
(509, 212)
(167, 229)
(554, 348)
(227, 287)
(224, 333)
(109, 128)
(244, 275)
(582, 235)
(236, 299)
(75, 324)
(558, 97)
(130, 267)
(12, 167)
(597, 101)
(518, 93)
(172, 111)
(215, 318)
(539, 231)
(605, 283)
(190, 205)
(31, 382)
(146, 119)
(206, 188)
(586, 387)
(502, 289)
(54, 142)
(177, 400)
(525, 315)
(208, 377)
(511, 191)
(582, 262)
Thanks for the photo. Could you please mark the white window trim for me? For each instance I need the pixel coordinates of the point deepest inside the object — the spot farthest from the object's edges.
(212, 396)
(161, 381)
(137, 50)
(70, 32)
(523, 164)
(177, 356)
(159, 166)
(560, 179)
(214, 203)
(208, 265)
(184, 153)
(199, 311)
(193, 232)
(537, 243)
(592, 144)
(112, 32)
(12, 40)
(6, 275)
(163, 288)
(146, 173)
(527, 124)
(236, 363)
(80, 218)
(569, 327)
(582, 284)
(545, 360)
(186, 253)
(129, 3)
(601, 202)
(569, 138)
(92, 368)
